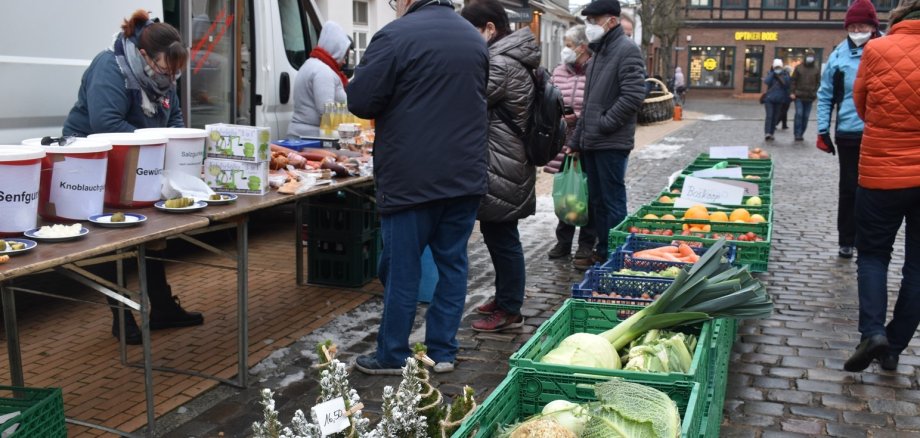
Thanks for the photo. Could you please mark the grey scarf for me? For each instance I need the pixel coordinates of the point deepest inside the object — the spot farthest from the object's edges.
(133, 67)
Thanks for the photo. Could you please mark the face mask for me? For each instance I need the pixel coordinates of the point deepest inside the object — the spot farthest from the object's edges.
(860, 38)
(809, 59)
(594, 32)
(778, 70)
(569, 56)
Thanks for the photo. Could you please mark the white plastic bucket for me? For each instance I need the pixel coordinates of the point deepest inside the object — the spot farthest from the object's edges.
(134, 170)
(185, 149)
(73, 179)
(20, 176)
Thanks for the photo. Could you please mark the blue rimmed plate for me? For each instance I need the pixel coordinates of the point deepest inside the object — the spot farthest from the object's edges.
(225, 198)
(198, 205)
(8, 250)
(32, 234)
(105, 220)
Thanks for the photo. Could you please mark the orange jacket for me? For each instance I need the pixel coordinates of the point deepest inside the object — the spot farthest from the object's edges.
(887, 97)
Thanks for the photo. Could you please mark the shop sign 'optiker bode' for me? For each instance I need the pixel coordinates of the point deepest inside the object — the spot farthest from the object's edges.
(756, 36)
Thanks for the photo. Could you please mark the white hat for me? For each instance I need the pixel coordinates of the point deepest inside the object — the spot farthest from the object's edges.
(334, 40)
(777, 62)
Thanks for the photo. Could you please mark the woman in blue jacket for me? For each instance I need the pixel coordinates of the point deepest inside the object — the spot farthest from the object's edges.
(777, 95)
(128, 86)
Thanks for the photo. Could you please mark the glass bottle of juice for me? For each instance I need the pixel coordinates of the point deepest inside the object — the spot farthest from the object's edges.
(325, 123)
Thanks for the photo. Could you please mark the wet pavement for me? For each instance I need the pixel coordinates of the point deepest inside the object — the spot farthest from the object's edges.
(786, 372)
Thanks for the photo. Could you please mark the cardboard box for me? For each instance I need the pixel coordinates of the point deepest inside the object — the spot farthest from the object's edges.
(238, 142)
(234, 176)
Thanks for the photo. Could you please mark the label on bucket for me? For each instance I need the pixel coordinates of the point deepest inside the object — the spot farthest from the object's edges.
(185, 155)
(19, 197)
(147, 182)
(77, 187)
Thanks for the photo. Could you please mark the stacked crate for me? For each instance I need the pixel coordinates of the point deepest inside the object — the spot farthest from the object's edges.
(343, 238)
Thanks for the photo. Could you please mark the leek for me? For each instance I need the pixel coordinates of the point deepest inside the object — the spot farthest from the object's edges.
(710, 288)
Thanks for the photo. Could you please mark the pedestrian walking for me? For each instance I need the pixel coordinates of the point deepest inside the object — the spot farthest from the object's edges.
(606, 132)
(128, 86)
(889, 188)
(836, 93)
(805, 81)
(427, 94)
(569, 77)
(320, 80)
(512, 195)
(784, 111)
(777, 95)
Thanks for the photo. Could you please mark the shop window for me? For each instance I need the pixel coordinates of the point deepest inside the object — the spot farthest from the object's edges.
(884, 5)
(712, 67)
(793, 56)
(734, 4)
(808, 4)
(700, 3)
(839, 5)
(777, 4)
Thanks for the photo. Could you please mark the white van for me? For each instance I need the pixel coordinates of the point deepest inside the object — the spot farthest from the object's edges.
(244, 56)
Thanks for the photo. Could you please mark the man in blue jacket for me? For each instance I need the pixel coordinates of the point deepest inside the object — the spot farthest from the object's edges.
(423, 80)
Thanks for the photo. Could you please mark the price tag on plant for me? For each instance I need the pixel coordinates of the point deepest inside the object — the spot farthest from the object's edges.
(716, 152)
(331, 416)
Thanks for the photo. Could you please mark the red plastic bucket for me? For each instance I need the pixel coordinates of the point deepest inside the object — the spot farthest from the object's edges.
(73, 179)
(134, 170)
(20, 170)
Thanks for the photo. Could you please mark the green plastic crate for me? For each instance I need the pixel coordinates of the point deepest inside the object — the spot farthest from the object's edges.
(766, 212)
(578, 316)
(765, 200)
(762, 229)
(41, 411)
(714, 399)
(525, 392)
(342, 260)
(755, 254)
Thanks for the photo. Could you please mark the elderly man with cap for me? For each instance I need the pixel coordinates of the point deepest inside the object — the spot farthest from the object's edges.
(836, 91)
(605, 133)
(777, 95)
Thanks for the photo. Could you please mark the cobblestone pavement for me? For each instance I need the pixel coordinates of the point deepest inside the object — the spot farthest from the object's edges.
(786, 377)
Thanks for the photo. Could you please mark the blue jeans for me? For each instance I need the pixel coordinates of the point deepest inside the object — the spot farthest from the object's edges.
(774, 112)
(445, 226)
(879, 214)
(802, 111)
(606, 192)
(504, 245)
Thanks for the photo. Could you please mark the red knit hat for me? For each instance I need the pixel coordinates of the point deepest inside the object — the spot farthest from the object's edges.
(861, 11)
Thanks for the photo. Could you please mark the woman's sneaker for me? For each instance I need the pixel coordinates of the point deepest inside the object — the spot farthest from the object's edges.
(498, 321)
(487, 308)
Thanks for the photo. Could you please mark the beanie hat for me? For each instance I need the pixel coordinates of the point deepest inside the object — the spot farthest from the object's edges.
(777, 62)
(861, 11)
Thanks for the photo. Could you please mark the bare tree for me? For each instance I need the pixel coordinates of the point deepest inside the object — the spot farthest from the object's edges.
(663, 19)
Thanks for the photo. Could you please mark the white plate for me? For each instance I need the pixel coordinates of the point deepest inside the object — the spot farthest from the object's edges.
(225, 198)
(29, 245)
(198, 205)
(31, 234)
(105, 220)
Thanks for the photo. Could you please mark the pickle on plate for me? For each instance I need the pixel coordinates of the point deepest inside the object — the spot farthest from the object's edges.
(16, 246)
(117, 217)
(2, 245)
(216, 197)
(179, 202)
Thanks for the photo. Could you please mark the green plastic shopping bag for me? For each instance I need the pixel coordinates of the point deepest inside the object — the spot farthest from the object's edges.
(570, 193)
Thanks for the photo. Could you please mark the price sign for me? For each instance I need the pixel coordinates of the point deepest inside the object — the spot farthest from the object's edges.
(707, 191)
(331, 416)
(728, 172)
(716, 152)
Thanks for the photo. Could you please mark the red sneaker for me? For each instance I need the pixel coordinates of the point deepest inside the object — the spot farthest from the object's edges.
(487, 308)
(498, 321)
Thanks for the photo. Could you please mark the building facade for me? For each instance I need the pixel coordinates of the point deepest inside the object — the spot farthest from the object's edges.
(360, 19)
(728, 46)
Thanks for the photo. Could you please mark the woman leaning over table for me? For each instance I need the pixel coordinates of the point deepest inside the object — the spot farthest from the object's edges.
(132, 85)
(886, 98)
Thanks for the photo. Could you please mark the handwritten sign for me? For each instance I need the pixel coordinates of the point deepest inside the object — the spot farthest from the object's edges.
(717, 152)
(728, 172)
(331, 416)
(707, 191)
(750, 189)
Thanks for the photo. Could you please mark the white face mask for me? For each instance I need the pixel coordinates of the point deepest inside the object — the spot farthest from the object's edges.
(777, 70)
(860, 38)
(595, 32)
(809, 59)
(569, 56)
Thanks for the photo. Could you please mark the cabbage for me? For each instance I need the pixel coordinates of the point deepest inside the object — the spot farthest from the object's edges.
(586, 350)
(632, 410)
(570, 415)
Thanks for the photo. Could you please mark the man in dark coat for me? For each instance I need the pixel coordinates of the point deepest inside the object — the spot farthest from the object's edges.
(427, 94)
(805, 81)
(606, 131)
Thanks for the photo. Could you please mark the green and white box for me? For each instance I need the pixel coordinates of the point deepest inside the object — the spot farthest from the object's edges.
(238, 142)
(233, 176)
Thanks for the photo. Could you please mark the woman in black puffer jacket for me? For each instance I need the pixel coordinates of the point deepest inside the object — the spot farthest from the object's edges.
(511, 179)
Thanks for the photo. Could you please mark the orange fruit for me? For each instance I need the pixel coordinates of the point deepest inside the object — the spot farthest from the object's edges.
(685, 227)
(707, 228)
(696, 212)
(740, 214)
(666, 200)
(756, 218)
(718, 216)
(669, 217)
(650, 216)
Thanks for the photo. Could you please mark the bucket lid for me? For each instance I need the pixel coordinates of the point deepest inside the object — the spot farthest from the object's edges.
(80, 145)
(20, 153)
(173, 132)
(129, 138)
